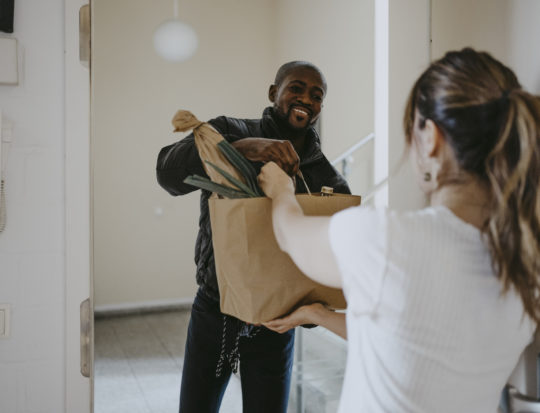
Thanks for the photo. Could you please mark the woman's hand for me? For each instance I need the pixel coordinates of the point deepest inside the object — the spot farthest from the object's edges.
(270, 150)
(274, 181)
(306, 314)
(315, 313)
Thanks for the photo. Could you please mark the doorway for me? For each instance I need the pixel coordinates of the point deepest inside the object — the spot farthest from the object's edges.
(142, 237)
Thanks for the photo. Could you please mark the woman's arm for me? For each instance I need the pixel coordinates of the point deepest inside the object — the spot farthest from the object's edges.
(311, 314)
(304, 238)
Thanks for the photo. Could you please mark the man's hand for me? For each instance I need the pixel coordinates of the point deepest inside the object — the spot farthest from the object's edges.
(274, 181)
(266, 150)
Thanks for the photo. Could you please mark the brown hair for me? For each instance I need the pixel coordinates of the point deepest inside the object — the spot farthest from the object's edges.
(493, 127)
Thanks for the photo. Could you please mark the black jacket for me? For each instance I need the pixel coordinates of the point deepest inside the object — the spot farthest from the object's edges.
(177, 161)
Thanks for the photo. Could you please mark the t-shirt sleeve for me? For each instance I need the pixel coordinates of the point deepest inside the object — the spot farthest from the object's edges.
(358, 237)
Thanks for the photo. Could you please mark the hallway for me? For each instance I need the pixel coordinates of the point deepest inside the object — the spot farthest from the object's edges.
(139, 358)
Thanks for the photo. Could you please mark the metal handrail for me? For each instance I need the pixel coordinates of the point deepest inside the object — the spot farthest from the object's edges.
(346, 157)
(353, 148)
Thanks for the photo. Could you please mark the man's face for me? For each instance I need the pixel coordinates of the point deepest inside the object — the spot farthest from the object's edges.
(298, 99)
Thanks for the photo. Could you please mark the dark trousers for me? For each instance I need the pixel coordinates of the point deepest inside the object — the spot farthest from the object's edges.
(265, 365)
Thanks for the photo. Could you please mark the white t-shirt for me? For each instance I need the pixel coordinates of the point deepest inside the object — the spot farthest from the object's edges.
(427, 327)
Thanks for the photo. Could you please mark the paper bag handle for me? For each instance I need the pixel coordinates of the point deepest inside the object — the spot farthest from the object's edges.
(184, 120)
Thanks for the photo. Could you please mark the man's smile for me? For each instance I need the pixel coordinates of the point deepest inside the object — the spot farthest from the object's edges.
(300, 113)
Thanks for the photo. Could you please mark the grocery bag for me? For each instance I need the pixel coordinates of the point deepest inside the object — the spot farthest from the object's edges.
(206, 139)
(257, 281)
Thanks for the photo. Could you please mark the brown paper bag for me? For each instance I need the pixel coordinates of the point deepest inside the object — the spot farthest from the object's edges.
(257, 281)
(206, 140)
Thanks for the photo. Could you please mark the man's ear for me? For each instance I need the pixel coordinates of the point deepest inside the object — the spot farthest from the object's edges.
(272, 93)
(433, 138)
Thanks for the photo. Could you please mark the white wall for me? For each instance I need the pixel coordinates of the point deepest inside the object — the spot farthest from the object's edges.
(32, 276)
(408, 57)
(402, 53)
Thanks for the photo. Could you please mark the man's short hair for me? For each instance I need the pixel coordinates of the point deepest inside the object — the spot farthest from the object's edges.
(286, 68)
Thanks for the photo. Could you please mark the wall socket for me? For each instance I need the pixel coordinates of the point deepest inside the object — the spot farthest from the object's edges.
(5, 315)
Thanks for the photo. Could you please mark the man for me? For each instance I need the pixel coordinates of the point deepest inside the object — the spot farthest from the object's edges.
(215, 342)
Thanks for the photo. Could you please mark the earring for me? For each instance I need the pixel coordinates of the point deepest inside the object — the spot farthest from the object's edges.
(427, 177)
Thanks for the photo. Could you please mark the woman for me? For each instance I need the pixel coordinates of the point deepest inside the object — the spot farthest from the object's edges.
(441, 301)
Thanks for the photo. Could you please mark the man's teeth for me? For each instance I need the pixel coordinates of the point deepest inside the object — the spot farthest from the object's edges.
(301, 111)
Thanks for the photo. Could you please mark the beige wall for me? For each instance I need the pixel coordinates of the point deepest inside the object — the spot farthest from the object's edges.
(402, 52)
(338, 36)
(241, 45)
(508, 29)
(523, 37)
(141, 256)
(408, 56)
(482, 24)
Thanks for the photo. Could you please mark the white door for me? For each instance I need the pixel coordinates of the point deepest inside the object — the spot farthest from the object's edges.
(78, 390)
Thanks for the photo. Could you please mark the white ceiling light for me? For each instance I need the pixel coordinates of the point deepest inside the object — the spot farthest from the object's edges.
(174, 40)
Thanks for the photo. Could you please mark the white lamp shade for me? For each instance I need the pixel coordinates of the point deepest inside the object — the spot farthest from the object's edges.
(175, 41)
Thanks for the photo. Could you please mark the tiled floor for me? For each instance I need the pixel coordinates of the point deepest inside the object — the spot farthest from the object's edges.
(138, 366)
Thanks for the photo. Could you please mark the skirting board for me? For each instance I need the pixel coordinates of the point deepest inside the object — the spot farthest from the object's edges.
(142, 307)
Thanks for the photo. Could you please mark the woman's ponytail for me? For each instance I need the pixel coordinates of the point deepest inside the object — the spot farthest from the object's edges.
(513, 171)
(493, 127)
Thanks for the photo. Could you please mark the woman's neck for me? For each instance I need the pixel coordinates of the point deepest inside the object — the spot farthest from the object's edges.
(469, 201)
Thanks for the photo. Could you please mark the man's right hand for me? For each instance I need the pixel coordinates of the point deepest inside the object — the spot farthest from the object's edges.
(265, 150)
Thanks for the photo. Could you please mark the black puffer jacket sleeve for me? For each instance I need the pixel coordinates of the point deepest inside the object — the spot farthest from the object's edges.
(181, 159)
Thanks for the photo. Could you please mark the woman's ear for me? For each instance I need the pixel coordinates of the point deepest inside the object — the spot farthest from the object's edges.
(272, 93)
(432, 139)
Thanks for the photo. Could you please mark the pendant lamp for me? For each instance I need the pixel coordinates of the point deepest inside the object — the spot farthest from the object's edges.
(174, 40)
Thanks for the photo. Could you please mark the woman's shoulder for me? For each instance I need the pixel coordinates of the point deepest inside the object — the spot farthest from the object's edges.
(385, 216)
(437, 219)
(432, 216)
(423, 223)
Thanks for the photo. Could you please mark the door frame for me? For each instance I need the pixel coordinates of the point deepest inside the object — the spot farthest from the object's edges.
(78, 285)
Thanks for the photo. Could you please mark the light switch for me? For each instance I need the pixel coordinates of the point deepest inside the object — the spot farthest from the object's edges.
(4, 320)
(9, 74)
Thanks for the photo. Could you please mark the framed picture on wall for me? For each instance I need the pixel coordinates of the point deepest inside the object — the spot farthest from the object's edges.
(6, 16)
